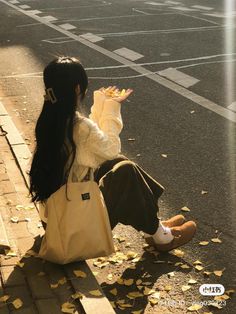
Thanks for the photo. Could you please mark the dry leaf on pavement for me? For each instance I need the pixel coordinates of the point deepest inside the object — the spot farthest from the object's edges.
(216, 240)
(4, 298)
(194, 307)
(79, 273)
(204, 243)
(95, 293)
(17, 303)
(185, 209)
(68, 307)
(185, 288)
(113, 291)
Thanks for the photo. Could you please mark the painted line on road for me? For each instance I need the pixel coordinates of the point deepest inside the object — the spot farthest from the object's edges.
(14, 1)
(77, 7)
(183, 9)
(232, 106)
(166, 31)
(204, 63)
(58, 40)
(24, 6)
(33, 12)
(139, 11)
(222, 15)
(179, 77)
(201, 7)
(91, 37)
(67, 26)
(128, 54)
(173, 2)
(205, 103)
(49, 18)
(199, 18)
(155, 3)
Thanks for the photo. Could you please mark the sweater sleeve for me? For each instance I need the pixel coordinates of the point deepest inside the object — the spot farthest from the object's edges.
(104, 141)
(97, 107)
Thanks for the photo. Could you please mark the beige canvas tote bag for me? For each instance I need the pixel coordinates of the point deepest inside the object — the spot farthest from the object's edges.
(78, 226)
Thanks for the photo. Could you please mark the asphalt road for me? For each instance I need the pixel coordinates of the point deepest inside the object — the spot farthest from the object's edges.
(183, 104)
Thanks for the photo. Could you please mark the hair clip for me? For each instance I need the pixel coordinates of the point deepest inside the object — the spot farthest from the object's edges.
(50, 96)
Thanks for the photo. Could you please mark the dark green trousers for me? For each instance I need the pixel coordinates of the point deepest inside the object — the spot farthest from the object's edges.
(131, 195)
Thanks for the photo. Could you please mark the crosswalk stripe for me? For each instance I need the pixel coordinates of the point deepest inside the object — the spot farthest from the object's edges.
(179, 77)
(128, 53)
(232, 106)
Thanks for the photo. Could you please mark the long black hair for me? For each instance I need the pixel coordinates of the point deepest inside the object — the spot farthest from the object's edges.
(63, 78)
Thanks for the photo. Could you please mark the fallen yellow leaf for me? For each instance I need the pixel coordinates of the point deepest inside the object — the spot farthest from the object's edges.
(128, 282)
(216, 240)
(17, 303)
(68, 307)
(79, 273)
(4, 298)
(221, 297)
(185, 209)
(20, 264)
(194, 307)
(15, 219)
(77, 295)
(62, 281)
(54, 285)
(185, 288)
(153, 301)
(148, 291)
(95, 293)
(171, 274)
(184, 266)
(204, 243)
(138, 282)
(192, 281)
(207, 273)
(120, 281)
(229, 292)
(204, 192)
(113, 291)
(178, 253)
(197, 262)
(167, 288)
(134, 294)
(42, 273)
(164, 155)
(125, 305)
(199, 267)
(216, 305)
(218, 273)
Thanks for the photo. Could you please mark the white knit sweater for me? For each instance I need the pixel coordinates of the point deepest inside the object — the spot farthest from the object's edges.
(96, 138)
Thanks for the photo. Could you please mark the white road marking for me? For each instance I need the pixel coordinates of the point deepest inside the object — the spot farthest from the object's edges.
(49, 18)
(232, 106)
(200, 18)
(24, 6)
(154, 3)
(201, 7)
(58, 40)
(91, 37)
(14, 1)
(222, 15)
(168, 31)
(67, 26)
(139, 11)
(33, 12)
(128, 53)
(203, 63)
(183, 9)
(173, 2)
(179, 77)
(210, 105)
(76, 7)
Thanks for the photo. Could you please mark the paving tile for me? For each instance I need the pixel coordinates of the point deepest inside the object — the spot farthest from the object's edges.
(49, 306)
(12, 276)
(39, 287)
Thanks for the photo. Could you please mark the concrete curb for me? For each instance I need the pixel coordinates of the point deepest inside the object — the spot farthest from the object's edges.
(22, 156)
(18, 146)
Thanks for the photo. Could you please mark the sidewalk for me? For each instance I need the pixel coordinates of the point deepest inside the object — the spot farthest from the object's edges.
(28, 284)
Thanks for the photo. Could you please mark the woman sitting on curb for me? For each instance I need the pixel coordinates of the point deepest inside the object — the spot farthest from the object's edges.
(65, 137)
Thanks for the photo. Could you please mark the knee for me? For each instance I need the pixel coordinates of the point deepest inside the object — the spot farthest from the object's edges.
(124, 167)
